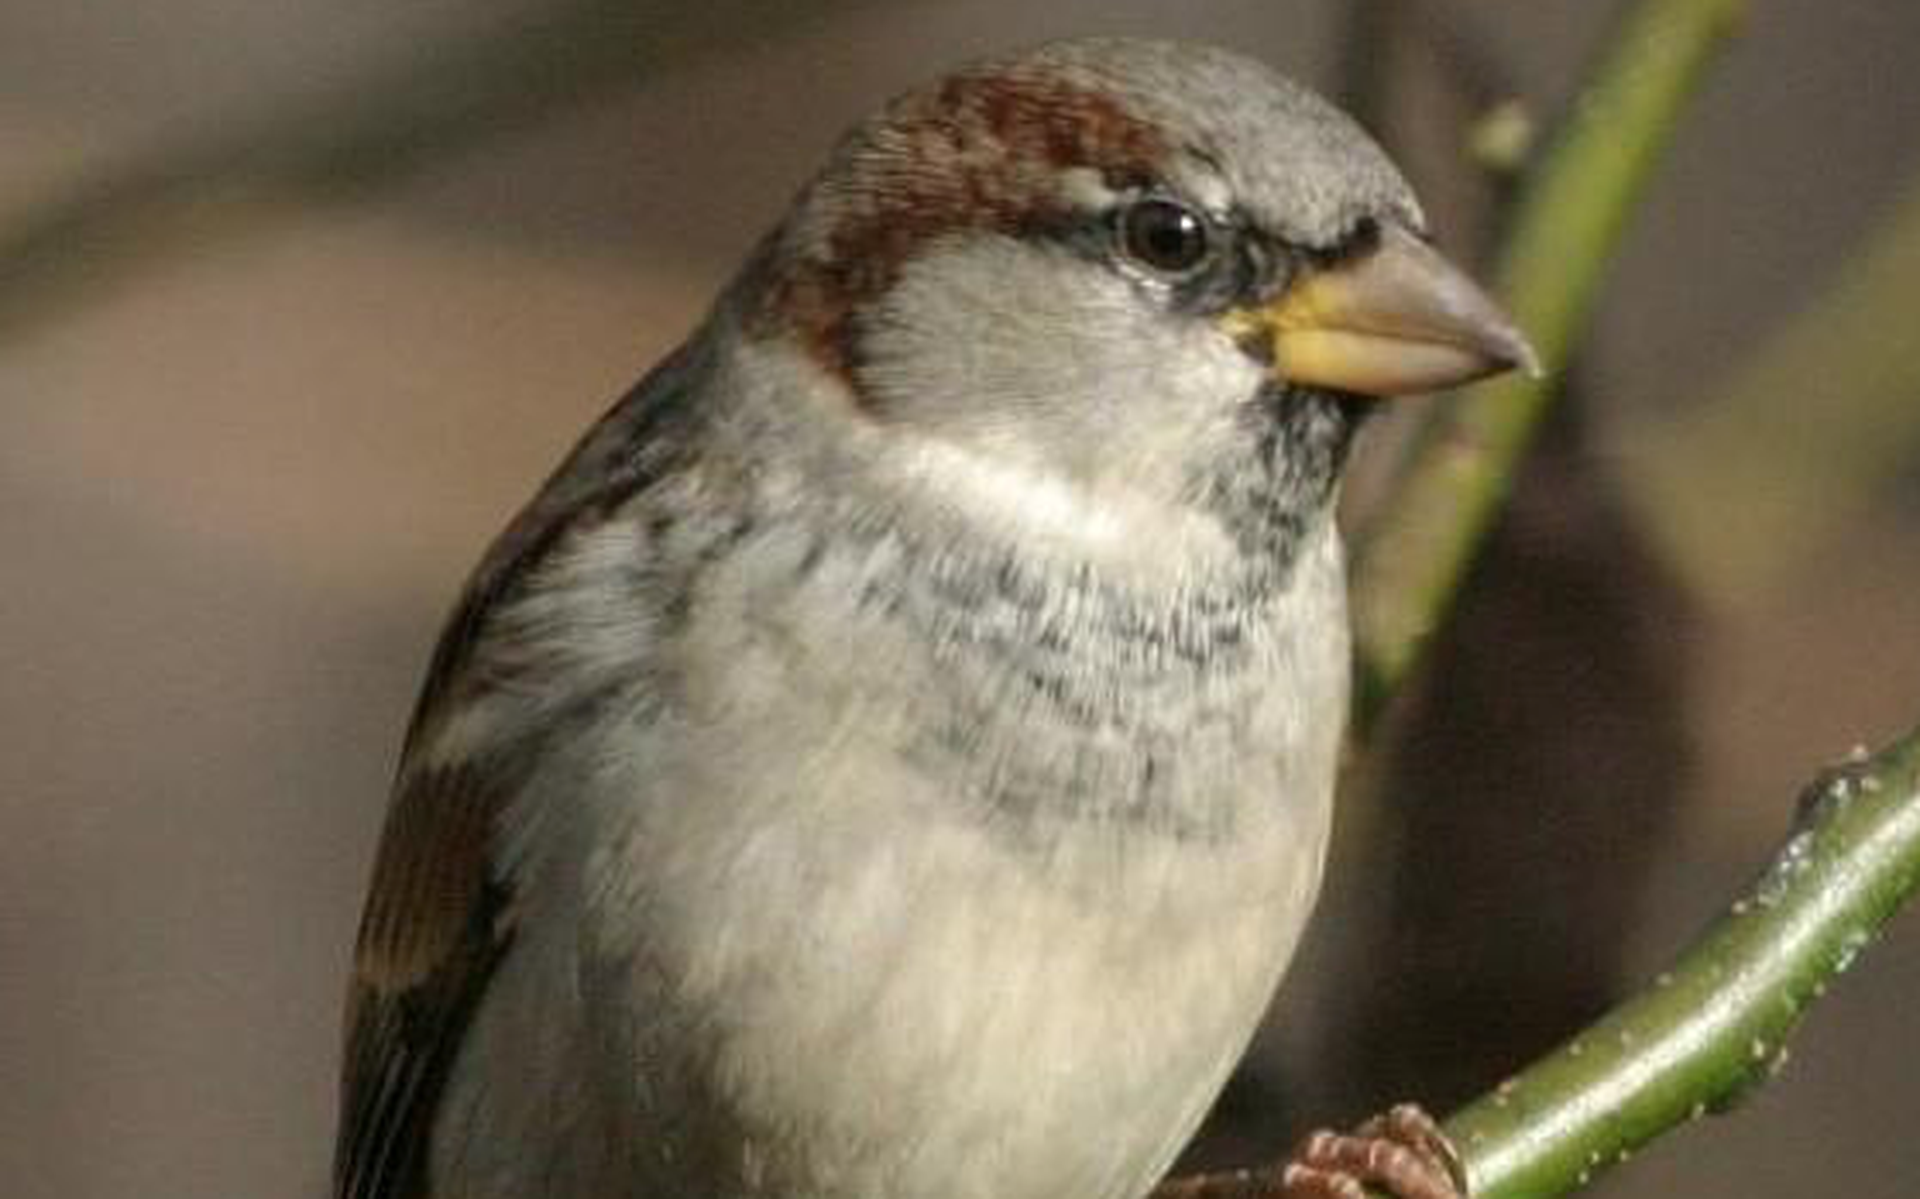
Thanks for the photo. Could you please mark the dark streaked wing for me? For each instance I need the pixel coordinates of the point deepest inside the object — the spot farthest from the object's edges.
(438, 919)
(430, 940)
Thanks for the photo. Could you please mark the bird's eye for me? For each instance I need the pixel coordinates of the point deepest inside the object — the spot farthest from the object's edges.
(1165, 236)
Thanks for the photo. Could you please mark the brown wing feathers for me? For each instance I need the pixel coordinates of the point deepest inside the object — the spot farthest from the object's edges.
(429, 942)
(437, 921)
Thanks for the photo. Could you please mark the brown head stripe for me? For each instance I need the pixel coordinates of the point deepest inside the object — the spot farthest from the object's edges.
(980, 151)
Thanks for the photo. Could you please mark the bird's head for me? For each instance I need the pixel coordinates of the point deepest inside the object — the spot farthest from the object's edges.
(1106, 279)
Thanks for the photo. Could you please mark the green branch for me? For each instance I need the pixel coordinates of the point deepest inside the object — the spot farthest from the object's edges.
(1410, 561)
(1715, 1025)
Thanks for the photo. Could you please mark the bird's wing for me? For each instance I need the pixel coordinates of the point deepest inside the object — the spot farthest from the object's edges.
(431, 936)
(438, 919)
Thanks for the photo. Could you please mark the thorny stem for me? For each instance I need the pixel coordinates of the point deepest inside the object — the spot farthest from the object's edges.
(1410, 561)
(1714, 1026)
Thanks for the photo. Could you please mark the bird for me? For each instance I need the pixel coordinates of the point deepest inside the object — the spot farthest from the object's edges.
(892, 756)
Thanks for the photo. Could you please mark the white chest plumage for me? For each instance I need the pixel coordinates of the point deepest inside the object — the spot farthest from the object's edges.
(778, 945)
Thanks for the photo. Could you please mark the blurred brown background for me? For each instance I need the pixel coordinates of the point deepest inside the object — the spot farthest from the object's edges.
(251, 438)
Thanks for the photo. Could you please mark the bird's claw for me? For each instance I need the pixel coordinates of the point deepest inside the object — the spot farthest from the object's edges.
(1403, 1152)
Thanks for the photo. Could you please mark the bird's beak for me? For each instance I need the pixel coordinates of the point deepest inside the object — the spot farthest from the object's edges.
(1393, 319)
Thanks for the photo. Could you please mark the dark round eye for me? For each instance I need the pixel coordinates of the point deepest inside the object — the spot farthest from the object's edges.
(1168, 237)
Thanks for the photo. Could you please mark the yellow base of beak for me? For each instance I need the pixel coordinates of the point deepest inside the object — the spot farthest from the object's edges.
(1394, 320)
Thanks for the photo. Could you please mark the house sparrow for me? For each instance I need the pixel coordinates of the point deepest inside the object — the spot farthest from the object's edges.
(892, 756)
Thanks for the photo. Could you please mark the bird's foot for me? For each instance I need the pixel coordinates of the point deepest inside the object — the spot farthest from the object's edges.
(1402, 1152)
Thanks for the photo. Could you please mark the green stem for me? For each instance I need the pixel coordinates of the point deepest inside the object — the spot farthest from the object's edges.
(1716, 1025)
(1410, 561)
